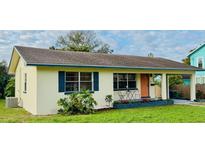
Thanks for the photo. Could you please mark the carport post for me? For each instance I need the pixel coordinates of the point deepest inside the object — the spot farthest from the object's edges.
(167, 86)
(164, 86)
(193, 87)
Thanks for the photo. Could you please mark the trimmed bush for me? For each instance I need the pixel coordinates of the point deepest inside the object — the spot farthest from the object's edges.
(141, 103)
(77, 103)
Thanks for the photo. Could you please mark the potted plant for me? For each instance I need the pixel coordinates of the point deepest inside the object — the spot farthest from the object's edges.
(108, 99)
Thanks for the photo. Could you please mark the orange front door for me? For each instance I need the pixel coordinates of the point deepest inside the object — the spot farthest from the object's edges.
(144, 85)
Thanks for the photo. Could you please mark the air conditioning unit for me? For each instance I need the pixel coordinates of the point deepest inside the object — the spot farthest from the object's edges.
(11, 102)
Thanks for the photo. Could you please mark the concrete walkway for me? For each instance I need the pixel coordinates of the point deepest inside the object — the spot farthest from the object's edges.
(182, 101)
(187, 102)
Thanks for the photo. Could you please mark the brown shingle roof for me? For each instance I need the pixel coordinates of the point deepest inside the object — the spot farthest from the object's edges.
(38, 56)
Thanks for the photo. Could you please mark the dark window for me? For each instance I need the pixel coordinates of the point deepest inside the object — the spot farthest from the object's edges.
(78, 81)
(122, 77)
(71, 86)
(132, 84)
(85, 81)
(25, 83)
(132, 81)
(71, 76)
(123, 81)
(72, 81)
(85, 76)
(86, 86)
(200, 63)
(115, 80)
(132, 77)
(122, 85)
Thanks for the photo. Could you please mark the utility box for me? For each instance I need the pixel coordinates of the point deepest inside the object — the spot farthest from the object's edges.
(11, 102)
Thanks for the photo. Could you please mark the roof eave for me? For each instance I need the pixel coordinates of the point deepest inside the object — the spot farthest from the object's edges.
(195, 50)
(10, 63)
(119, 67)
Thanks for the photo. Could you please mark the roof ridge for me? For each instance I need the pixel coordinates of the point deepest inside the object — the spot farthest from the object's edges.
(57, 50)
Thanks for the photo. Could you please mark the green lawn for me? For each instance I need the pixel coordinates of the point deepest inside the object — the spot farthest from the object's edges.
(171, 113)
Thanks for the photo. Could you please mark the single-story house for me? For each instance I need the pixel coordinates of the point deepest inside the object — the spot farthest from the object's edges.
(43, 76)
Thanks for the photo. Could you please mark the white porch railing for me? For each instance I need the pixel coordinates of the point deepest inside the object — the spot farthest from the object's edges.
(127, 95)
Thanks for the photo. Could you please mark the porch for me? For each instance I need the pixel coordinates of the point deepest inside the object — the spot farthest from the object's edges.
(145, 86)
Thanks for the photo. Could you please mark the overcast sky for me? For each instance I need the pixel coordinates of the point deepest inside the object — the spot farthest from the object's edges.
(168, 44)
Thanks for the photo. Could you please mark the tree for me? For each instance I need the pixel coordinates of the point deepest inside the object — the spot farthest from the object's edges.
(84, 41)
(150, 54)
(186, 61)
(4, 77)
(157, 79)
(105, 48)
(52, 48)
(175, 80)
(10, 88)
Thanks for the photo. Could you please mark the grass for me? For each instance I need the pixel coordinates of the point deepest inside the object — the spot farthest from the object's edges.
(164, 114)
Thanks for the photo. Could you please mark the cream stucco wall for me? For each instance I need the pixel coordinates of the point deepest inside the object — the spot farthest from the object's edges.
(105, 88)
(48, 95)
(18, 80)
(47, 91)
(26, 100)
(42, 94)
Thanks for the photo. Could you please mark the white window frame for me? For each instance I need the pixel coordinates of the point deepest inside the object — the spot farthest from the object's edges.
(79, 81)
(197, 65)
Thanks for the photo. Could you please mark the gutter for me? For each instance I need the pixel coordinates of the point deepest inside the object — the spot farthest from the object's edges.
(119, 67)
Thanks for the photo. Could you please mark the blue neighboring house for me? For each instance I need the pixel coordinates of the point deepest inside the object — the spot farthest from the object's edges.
(197, 58)
(186, 79)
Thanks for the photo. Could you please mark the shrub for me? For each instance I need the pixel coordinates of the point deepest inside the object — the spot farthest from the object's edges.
(4, 77)
(10, 88)
(199, 94)
(77, 103)
(175, 94)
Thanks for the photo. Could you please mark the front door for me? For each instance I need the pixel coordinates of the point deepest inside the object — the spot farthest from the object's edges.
(144, 85)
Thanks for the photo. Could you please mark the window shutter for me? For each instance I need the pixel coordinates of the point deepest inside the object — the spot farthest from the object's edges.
(61, 81)
(96, 81)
